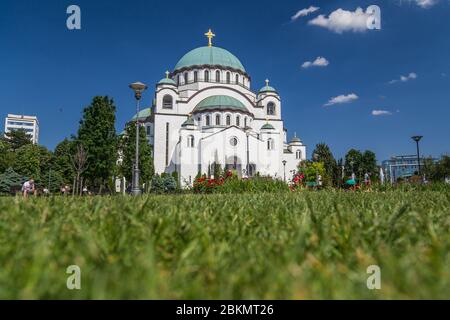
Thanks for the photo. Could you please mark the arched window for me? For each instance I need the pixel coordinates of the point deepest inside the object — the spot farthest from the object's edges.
(195, 76)
(217, 76)
(207, 121)
(217, 120)
(245, 122)
(206, 75)
(228, 77)
(238, 121)
(298, 154)
(270, 144)
(271, 109)
(186, 78)
(167, 102)
(190, 141)
(228, 120)
(178, 80)
(237, 79)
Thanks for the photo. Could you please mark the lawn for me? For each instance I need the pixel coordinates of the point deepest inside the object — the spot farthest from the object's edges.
(309, 245)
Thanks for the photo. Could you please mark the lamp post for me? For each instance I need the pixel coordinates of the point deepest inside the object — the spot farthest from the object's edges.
(138, 88)
(284, 169)
(417, 139)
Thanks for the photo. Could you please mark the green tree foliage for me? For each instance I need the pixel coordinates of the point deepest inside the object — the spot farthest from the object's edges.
(16, 139)
(10, 180)
(353, 162)
(369, 162)
(98, 135)
(7, 156)
(437, 171)
(33, 161)
(311, 170)
(62, 163)
(52, 180)
(127, 147)
(323, 154)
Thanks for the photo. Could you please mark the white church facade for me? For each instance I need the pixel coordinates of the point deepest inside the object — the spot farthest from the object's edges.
(204, 113)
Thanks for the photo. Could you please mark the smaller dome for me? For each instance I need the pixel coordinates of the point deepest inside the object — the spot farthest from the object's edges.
(188, 122)
(220, 103)
(167, 81)
(267, 126)
(295, 140)
(267, 88)
(143, 114)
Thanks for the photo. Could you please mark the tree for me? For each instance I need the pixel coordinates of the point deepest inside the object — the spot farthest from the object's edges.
(62, 160)
(369, 162)
(10, 180)
(79, 164)
(322, 153)
(16, 139)
(353, 161)
(7, 156)
(311, 170)
(97, 134)
(127, 147)
(28, 161)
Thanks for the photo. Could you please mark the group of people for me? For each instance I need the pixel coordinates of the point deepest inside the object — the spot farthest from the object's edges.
(29, 188)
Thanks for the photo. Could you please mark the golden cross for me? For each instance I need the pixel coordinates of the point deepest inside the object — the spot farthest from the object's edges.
(167, 74)
(210, 35)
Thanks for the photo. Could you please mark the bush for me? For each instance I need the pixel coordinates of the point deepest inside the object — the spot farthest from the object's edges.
(230, 183)
(163, 184)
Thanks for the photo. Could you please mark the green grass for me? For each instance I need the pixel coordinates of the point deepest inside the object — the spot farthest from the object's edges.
(312, 245)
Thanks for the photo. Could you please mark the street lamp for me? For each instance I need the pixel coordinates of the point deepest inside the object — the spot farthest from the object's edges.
(284, 169)
(138, 88)
(417, 139)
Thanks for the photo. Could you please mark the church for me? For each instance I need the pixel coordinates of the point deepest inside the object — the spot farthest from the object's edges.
(204, 113)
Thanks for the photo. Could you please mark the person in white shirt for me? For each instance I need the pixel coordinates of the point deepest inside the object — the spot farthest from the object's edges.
(28, 188)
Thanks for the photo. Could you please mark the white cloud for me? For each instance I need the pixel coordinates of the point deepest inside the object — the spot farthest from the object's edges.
(319, 62)
(411, 76)
(341, 20)
(381, 113)
(304, 12)
(342, 99)
(426, 3)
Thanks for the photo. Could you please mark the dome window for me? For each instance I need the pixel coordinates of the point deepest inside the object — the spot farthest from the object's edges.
(167, 102)
(206, 76)
(238, 121)
(207, 121)
(186, 78)
(237, 79)
(217, 120)
(217, 76)
(228, 120)
(271, 109)
(195, 76)
(228, 77)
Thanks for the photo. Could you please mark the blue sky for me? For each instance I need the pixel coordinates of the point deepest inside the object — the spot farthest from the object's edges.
(49, 71)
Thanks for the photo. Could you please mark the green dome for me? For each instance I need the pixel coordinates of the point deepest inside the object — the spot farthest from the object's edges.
(143, 114)
(267, 89)
(210, 56)
(267, 126)
(188, 122)
(167, 81)
(220, 103)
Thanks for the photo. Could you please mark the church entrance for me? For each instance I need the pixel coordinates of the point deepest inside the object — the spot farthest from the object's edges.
(234, 163)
